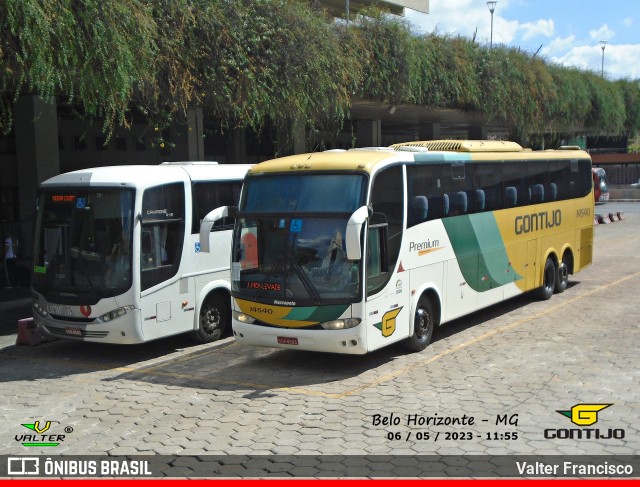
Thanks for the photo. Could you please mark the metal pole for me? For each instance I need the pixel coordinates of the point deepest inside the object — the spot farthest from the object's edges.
(492, 7)
(347, 11)
(603, 44)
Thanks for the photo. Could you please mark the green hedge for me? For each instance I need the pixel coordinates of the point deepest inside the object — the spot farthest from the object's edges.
(247, 62)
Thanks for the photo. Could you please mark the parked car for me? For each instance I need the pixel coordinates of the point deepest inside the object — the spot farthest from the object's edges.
(636, 185)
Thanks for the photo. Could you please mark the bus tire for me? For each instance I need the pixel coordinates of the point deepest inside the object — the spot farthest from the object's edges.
(423, 324)
(562, 279)
(213, 320)
(549, 277)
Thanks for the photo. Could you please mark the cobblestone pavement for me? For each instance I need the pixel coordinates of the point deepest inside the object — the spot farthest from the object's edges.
(519, 362)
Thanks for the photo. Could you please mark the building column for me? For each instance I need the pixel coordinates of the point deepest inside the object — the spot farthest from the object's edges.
(195, 129)
(237, 149)
(429, 131)
(478, 132)
(299, 135)
(368, 133)
(37, 156)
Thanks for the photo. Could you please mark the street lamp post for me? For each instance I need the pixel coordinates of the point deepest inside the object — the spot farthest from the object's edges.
(603, 44)
(492, 7)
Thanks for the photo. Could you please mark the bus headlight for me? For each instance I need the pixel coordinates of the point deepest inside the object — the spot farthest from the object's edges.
(342, 324)
(242, 317)
(116, 313)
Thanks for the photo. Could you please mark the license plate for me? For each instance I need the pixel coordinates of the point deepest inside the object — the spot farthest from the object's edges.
(287, 341)
(76, 332)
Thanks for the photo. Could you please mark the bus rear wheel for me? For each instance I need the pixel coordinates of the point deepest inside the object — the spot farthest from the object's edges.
(548, 280)
(213, 320)
(562, 279)
(423, 324)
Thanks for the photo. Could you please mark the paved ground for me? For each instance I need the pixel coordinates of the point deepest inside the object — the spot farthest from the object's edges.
(524, 359)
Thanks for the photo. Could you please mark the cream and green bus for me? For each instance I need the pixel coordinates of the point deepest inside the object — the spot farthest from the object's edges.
(351, 251)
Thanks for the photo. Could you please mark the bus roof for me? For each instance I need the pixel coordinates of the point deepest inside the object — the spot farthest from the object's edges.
(148, 175)
(432, 151)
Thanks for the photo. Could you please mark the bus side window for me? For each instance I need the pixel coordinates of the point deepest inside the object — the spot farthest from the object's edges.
(162, 233)
(208, 196)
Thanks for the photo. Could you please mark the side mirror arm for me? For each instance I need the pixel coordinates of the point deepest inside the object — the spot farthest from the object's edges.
(206, 224)
(354, 231)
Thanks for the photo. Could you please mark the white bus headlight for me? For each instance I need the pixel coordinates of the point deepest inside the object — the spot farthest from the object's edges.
(242, 317)
(116, 313)
(342, 324)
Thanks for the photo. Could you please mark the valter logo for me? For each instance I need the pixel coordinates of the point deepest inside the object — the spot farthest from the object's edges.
(584, 415)
(41, 435)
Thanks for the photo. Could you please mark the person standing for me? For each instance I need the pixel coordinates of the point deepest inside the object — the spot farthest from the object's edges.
(11, 260)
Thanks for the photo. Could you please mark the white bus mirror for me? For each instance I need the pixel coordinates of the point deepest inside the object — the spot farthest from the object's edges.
(354, 230)
(206, 224)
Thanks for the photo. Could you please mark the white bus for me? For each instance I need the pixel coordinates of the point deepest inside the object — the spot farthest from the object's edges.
(117, 256)
(351, 251)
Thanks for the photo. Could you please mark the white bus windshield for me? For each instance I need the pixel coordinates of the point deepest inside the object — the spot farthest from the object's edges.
(83, 242)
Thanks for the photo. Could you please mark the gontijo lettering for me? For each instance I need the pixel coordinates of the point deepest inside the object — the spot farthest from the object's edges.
(538, 221)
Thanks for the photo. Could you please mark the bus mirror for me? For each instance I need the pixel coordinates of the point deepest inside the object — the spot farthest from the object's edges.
(354, 230)
(206, 224)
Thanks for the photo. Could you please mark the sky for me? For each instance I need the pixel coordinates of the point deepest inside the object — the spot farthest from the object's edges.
(566, 32)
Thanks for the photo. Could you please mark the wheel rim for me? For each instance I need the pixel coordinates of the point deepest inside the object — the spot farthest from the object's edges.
(422, 324)
(210, 320)
(563, 272)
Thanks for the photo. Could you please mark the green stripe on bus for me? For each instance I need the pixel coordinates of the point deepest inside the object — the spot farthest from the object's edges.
(480, 251)
(317, 314)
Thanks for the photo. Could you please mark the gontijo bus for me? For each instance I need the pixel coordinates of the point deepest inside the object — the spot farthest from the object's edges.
(351, 251)
(116, 252)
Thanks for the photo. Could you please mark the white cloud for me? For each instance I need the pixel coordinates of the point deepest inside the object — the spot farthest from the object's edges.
(620, 61)
(602, 33)
(628, 21)
(559, 45)
(540, 27)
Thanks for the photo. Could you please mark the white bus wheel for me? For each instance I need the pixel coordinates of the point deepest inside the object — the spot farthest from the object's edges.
(213, 319)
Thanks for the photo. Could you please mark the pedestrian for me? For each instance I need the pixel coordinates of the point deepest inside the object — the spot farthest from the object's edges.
(11, 260)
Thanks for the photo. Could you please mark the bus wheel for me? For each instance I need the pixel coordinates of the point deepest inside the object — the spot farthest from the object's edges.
(423, 323)
(562, 279)
(548, 280)
(213, 320)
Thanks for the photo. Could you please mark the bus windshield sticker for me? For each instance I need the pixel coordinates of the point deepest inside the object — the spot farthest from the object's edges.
(80, 203)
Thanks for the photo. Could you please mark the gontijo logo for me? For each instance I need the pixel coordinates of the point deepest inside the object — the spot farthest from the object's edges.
(585, 414)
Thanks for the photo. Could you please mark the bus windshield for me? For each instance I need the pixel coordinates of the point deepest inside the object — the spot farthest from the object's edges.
(297, 251)
(293, 259)
(83, 243)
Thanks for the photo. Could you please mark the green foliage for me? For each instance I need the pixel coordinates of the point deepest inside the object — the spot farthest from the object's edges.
(249, 62)
(86, 51)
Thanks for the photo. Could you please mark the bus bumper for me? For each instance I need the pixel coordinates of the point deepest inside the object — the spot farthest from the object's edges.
(117, 331)
(349, 341)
